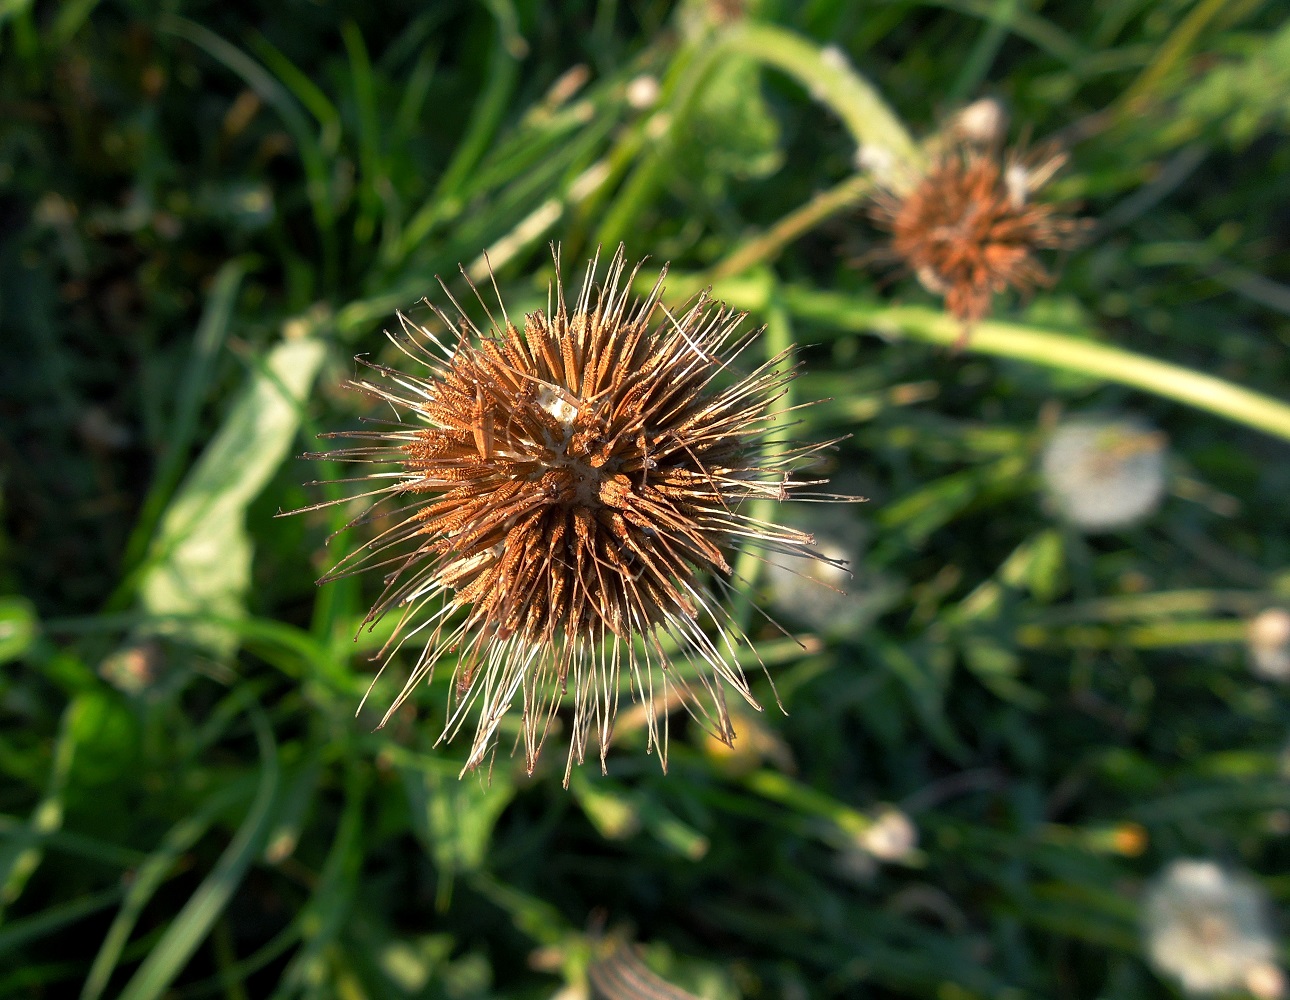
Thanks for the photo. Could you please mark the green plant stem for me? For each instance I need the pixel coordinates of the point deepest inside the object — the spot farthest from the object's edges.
(799, 221)
(831, 80)
(682, 83)
(825, 73)
(983, 54)
(1162, 635)
(1161, 605)
(778, 343)
(807, 801)
(1048, 348)
(1176, 46)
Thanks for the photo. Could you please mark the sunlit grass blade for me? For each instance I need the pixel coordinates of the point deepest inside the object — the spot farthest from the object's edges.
(16, 934)
(484, 121)
(372, 176)
(322, 919)
(22, 850)
(182, 427)
(148, 878)
(194, 921)
(317, 182)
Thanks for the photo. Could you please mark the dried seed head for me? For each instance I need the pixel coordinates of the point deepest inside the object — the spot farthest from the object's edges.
(969, 227)
(562, 494)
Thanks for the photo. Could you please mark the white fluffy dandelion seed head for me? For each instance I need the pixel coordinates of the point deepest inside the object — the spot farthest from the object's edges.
(1104, 474)
(1207, 928)
(892, 837)
(819, 592)
(1268, 637)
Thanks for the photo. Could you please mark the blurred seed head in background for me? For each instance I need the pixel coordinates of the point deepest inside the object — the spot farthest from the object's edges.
(1208, 929)
(969, 227)
(1268, 638)
(1101, 474)
(838, 596)
(814, 593)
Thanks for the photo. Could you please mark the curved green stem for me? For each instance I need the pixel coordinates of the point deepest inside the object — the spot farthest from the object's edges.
(827, 75)
(830, 78)
(1049, 348)
(801, 220)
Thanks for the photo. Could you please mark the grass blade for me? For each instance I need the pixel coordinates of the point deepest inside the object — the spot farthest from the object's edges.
(199, 914)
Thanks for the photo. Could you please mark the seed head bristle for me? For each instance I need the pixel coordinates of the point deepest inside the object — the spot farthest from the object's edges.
(562, 496)
(969, 227)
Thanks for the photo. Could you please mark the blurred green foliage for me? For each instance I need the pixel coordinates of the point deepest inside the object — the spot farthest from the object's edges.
(207, 209)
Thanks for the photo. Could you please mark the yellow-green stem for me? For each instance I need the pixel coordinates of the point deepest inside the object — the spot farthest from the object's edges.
(798, 222)
(1049, 348)
(830, 78)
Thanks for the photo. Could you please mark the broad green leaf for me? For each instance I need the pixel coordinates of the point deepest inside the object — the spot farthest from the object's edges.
(18, 627)
(190, 394)
(454, 818)
(731, 131)
(201, 561)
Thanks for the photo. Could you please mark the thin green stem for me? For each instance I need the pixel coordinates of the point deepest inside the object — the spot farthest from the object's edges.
(1176, 46)
(983, 54)
(832, 80)
(1048, 348)
(801, 220)
(778, 341)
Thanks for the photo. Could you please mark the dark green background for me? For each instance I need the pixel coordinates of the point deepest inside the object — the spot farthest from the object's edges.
(186, 187)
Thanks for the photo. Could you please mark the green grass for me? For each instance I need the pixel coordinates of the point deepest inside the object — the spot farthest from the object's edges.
(204, 215)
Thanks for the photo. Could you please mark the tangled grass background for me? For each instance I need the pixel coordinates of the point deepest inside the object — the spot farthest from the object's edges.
(1038, 748)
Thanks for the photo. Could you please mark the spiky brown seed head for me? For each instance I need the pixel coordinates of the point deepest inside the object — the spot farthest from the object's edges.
(563, 496)
(969, 227)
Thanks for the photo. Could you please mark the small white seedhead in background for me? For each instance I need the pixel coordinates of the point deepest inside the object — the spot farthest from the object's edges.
(981, 123)
(1268, 637)
(1208, 929)
(1266, 981)
(887, 171)
(642, 92)
(1017, 180)
(1104, 474)
(835, 58)
(892, 837)
(816, 593)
